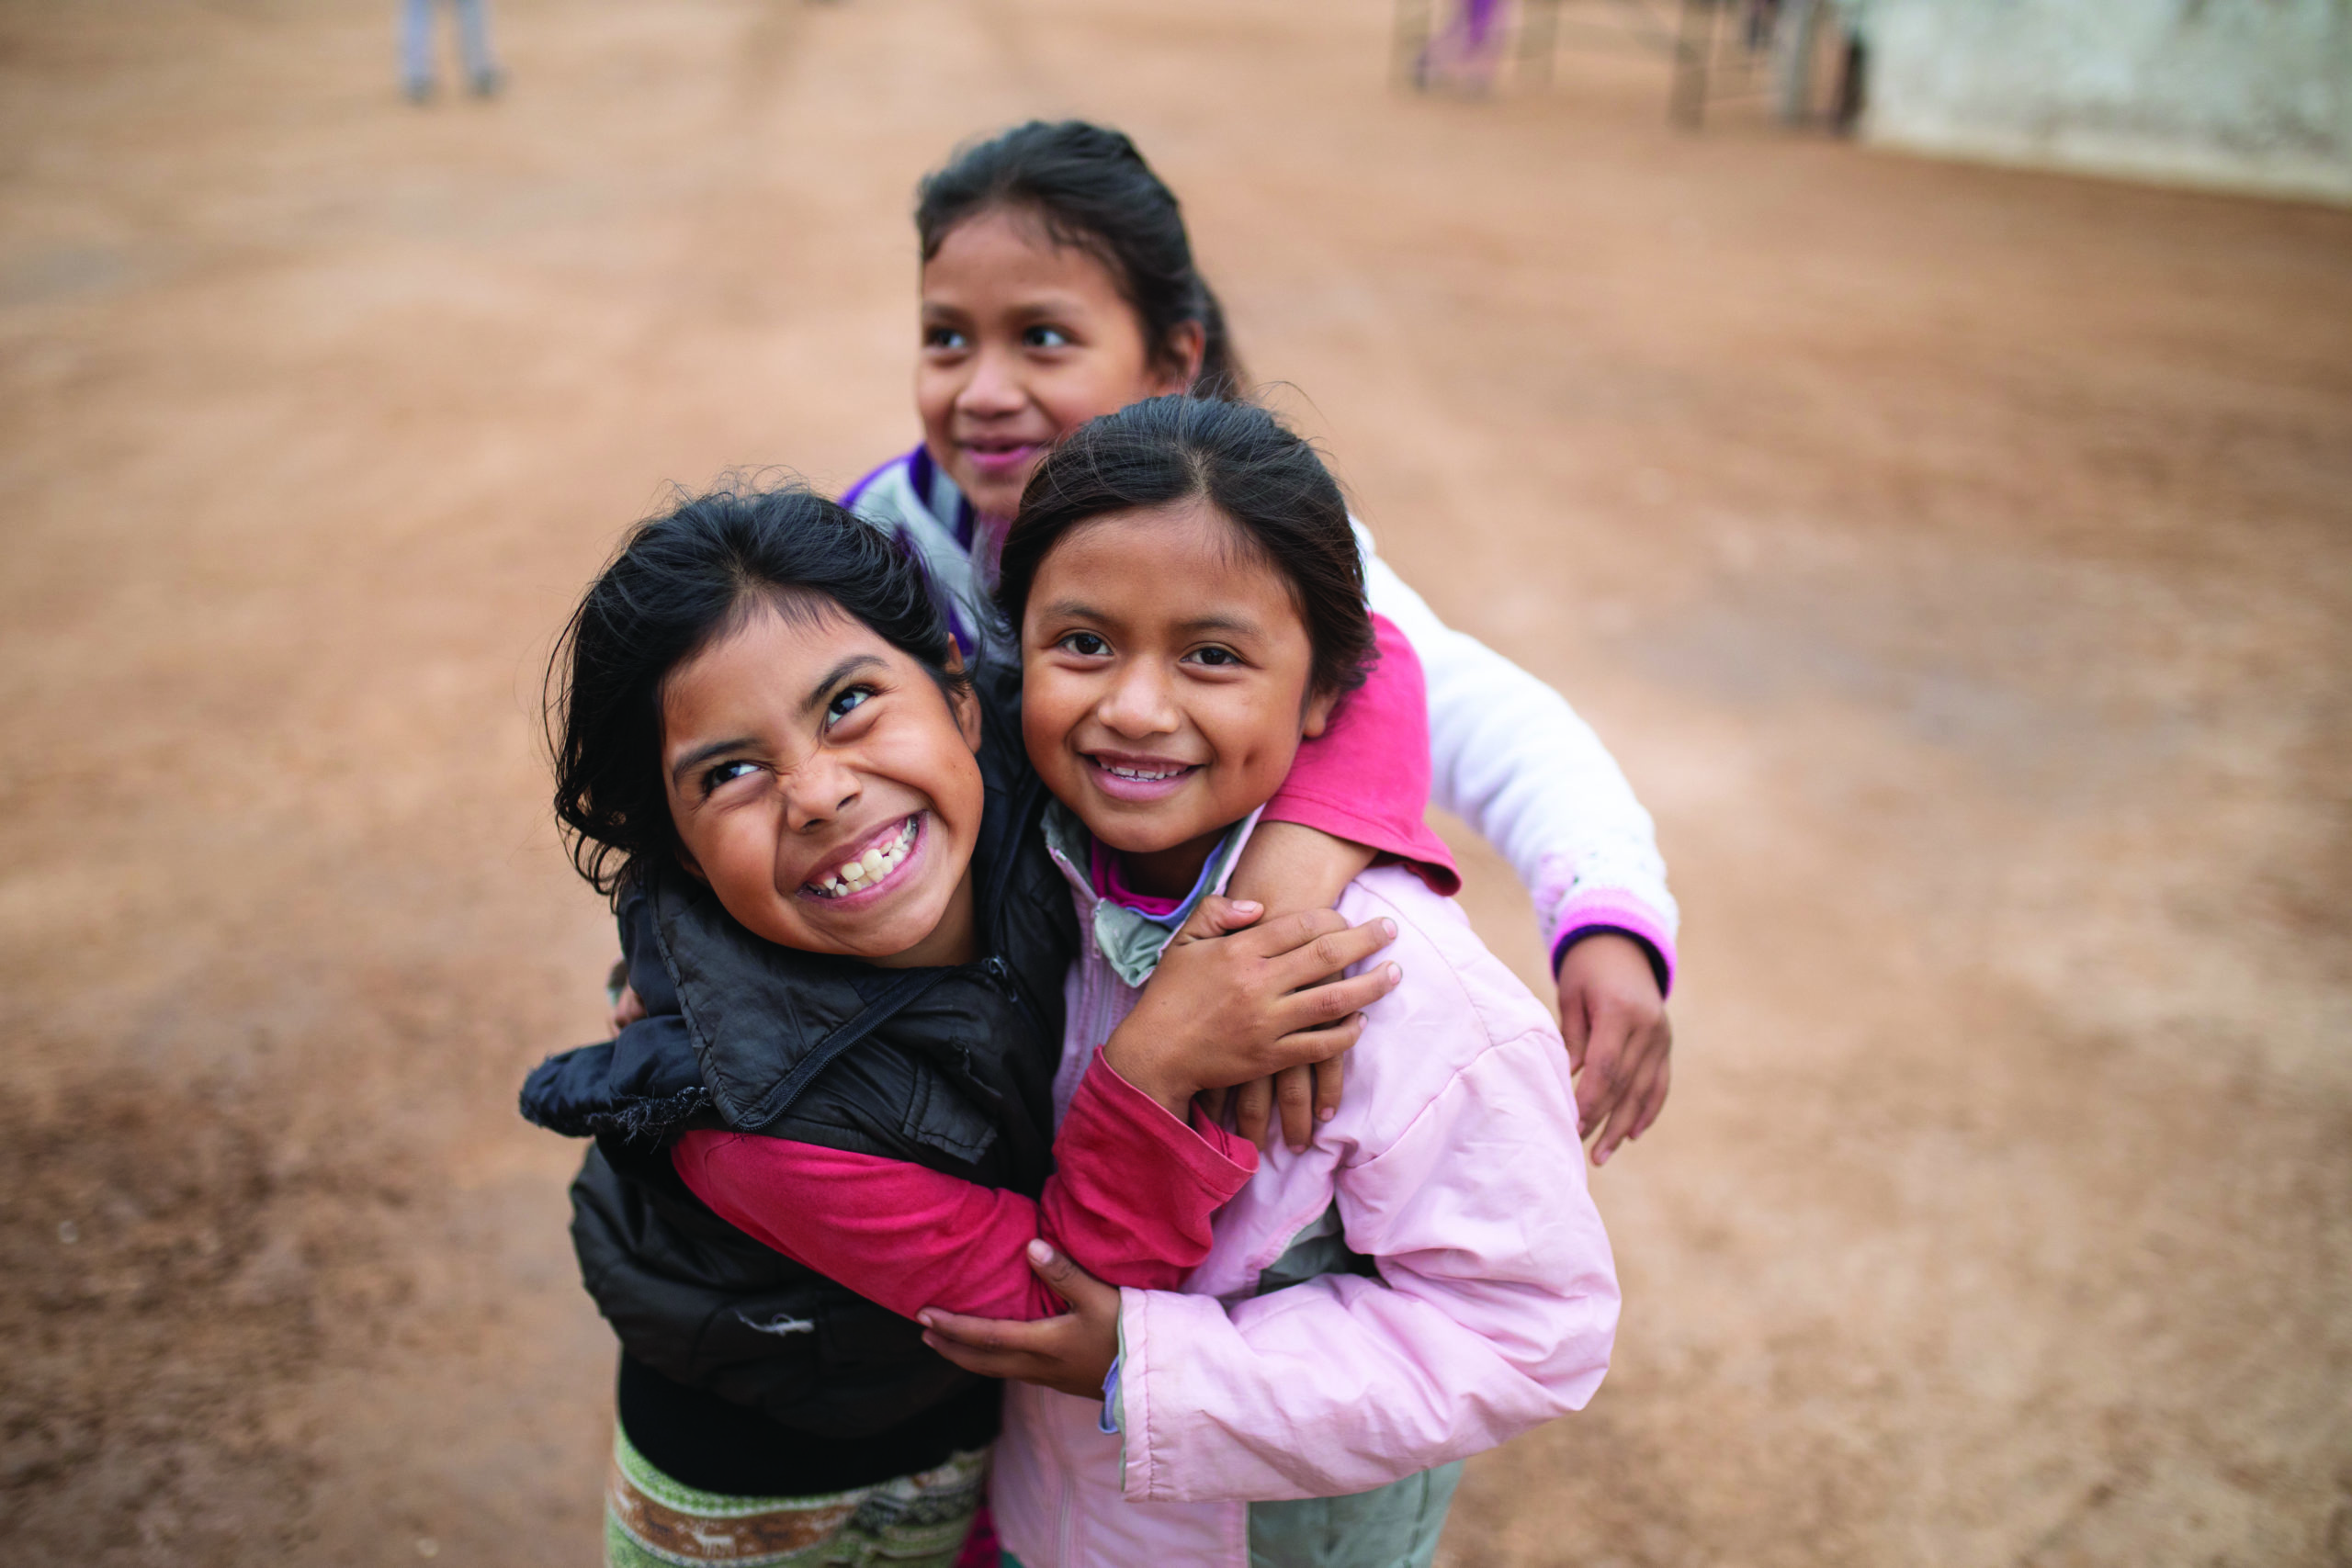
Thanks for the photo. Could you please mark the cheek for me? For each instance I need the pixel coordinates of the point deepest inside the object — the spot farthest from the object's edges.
(695, 837)
(739, 861)
(934, 397)
(952, 780)
(1256, 731)
(1049, 707)
(932, 762)
(1102, 382)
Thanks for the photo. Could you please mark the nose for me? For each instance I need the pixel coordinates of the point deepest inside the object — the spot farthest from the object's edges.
(994, 390)
(818, 792)
(1139, 703)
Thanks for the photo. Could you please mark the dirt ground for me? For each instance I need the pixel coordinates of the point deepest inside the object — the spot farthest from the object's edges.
(1958, 560)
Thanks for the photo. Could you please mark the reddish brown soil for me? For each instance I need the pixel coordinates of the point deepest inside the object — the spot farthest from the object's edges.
(1960, 561)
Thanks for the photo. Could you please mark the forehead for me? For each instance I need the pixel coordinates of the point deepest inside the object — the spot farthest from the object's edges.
(1166, 563)
(766, 663)
(1006, 253)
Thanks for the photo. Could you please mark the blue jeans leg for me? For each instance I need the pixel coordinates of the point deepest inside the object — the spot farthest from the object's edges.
(473, 38)
(416, 44)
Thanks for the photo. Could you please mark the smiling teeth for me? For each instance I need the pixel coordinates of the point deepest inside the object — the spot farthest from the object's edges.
(868, 868)
(1143, 774)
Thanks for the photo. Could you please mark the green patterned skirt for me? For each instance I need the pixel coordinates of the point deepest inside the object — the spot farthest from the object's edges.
(914, 1521)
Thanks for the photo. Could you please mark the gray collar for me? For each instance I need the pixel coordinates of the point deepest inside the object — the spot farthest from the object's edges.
(1132, 941)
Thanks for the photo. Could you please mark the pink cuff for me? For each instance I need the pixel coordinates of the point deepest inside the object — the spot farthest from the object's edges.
(1607, 910)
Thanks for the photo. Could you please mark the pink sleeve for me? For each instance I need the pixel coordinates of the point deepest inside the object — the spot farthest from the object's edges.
(1130, 1201)
(1366, 777)
(1495, 1311)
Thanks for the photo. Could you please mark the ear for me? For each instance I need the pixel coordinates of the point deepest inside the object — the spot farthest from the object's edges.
(692, 866)
(1318, 714)
(1188, 343)
(964, 704)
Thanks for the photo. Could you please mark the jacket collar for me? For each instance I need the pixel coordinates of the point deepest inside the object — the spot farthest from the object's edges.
(1129, 940)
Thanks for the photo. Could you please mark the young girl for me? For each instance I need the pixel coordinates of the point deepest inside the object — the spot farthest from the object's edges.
(1059, 285)
(1431, 1277)
(851, 944)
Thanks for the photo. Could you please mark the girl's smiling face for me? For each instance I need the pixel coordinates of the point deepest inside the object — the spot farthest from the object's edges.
(1023, 339)
(1165, 684)
(825, 787)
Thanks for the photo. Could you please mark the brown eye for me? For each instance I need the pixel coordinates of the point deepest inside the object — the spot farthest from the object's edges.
(847, 702)
(725, 774)
(1086, 644)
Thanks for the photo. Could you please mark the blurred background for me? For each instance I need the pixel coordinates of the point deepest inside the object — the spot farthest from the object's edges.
(1957, 556)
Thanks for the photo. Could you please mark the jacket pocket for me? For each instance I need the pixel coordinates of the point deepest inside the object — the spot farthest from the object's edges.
(941, 1116)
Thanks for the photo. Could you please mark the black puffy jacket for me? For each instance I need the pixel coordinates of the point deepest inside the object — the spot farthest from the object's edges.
(951, 1068)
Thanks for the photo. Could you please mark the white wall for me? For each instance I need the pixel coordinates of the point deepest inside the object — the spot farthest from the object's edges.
(2251, 95)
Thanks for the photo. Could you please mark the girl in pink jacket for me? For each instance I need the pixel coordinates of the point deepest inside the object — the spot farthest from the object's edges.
(1429, 1277)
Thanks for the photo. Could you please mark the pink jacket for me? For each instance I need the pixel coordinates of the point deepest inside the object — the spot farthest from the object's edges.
(1454, 1162)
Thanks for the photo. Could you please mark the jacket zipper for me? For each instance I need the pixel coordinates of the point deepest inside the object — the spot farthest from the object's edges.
(1026, 816)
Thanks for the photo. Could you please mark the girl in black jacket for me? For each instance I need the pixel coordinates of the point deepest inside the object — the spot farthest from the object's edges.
(820, 834)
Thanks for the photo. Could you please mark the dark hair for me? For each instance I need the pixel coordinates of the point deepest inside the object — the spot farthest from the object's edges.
(1091, 188)
(1240, 460)
(678, 583)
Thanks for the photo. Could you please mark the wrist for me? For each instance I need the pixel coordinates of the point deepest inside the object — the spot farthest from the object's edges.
(1289, 866)
(1149, 1074)
(1596, 934)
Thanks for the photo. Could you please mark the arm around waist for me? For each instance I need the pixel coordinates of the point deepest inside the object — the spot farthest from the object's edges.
(1131, 1200)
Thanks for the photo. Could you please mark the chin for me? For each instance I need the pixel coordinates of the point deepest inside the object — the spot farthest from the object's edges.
(1130, 837)
(994, 506)
(903, 928)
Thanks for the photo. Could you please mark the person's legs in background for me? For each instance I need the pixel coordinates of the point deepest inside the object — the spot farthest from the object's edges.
(1465, 50)
(473, 38)
(417, 49)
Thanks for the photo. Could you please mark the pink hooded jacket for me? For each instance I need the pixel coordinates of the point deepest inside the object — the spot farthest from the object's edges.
(1454, 1162)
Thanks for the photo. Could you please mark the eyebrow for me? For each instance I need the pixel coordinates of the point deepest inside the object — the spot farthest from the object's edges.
(856, 663)
(1051, 306)
(1218, 623)
(1074, 610)
(701, 755)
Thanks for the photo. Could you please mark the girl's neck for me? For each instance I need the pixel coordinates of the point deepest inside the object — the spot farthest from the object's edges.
(1170, 873)
(954, 940)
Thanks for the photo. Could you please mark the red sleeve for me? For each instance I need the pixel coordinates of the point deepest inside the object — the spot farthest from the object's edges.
(1130, 1201)
(1366, 777)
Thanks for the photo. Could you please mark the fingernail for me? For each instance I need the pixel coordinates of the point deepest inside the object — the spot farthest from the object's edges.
(1388, 929)
(1242, 903)
(1298, 1149)
(1040, 1253)
(924, 1318)
(1327, 1114)
(1394, 973)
